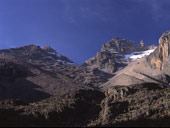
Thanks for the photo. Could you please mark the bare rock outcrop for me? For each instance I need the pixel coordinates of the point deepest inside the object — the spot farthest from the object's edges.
(159, 58)
(36, 55)
(152, 68)
(112, 58)
(49, 49)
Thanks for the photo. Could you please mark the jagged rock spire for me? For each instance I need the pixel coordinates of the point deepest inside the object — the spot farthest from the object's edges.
(160, 57)
(142, 43)
(164, 45)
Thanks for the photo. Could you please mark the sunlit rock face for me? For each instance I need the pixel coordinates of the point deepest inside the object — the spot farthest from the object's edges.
(159, 58)
(164, 45)
(116, 54)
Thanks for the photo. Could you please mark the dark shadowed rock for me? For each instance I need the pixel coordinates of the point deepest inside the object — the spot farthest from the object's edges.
(40, 87)
(77, 108)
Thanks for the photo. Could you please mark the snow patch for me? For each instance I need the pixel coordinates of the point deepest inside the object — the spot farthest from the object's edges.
(50, 57)
(64, 62)
(138, 55)
(52, 53)
(59, 55)
(58, 60)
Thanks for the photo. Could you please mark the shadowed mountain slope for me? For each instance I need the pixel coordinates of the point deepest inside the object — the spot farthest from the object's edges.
(40, 87)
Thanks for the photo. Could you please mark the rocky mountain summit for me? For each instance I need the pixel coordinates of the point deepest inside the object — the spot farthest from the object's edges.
(115, 54)
(40, 87)
(32, 73)
(151, 68)
(33, 54)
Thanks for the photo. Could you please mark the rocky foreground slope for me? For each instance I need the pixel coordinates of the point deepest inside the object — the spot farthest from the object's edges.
(40, 87)
(138, 105)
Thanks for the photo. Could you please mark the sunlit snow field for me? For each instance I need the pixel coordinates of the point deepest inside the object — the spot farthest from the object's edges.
(138, 55)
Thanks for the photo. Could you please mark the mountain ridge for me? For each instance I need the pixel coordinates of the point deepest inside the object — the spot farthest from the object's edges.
(40, 87)
(113, 54)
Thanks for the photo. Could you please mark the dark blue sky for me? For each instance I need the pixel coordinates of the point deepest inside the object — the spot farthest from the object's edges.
(77, 28)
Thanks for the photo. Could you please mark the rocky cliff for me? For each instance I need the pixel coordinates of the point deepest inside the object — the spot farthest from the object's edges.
(160, 58)
(152, 68)
(113, 55)
(38, 87)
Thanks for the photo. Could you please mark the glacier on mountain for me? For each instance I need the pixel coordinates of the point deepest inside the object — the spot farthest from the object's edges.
(138, 55)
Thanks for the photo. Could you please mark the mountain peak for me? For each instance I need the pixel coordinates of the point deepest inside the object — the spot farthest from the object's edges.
(30, 47)
(49, 49)
(117, 53)
(36, 54)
